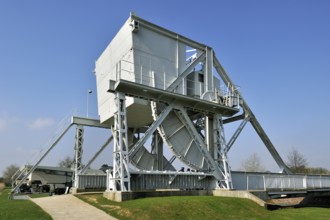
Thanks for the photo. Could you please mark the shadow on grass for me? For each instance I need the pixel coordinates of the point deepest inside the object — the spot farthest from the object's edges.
(321, 201)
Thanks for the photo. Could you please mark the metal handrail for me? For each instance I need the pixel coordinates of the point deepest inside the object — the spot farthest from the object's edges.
(287, 182)
(141, 74)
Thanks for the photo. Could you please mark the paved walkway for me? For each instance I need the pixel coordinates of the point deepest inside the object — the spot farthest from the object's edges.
(69, 207)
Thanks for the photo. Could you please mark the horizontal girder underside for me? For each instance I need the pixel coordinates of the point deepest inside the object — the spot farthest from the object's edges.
(153, 94)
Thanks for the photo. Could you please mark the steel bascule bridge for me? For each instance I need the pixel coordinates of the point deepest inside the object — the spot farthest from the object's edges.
(157, 89)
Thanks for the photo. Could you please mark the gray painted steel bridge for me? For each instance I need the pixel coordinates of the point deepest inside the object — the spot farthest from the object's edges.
(151, 87)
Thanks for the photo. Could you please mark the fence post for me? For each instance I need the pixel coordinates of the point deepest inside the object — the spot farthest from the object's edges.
(141, 75)
(247, 182)
(264, 179)
(294, 182)
(107, 180)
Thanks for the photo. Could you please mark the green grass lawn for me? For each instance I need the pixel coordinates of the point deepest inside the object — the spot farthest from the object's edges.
(176, 207)
(198, 207)
(19, 209)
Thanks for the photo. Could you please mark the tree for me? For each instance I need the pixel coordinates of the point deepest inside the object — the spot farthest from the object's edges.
(9, 172)
(297, 162)
(105, 167)
(317, 170)
(66, 162)
(252, 164)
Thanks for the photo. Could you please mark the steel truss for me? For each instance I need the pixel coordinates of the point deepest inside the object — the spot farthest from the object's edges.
(215, 113)
(121, 175)
(78, 148)
(212, 112)
(206, 55)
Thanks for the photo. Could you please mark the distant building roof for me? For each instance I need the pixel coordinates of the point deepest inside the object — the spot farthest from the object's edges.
(65, 169)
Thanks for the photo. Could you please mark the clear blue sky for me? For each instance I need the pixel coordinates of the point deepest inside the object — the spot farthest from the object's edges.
(278, 52)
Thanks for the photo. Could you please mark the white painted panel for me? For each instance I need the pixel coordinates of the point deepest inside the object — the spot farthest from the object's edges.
(106, 68)
(156, 58)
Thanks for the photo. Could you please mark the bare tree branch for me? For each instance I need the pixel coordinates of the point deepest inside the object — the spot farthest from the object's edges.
(67, 162)
(9, 172)
(297, 162)
(252, 164)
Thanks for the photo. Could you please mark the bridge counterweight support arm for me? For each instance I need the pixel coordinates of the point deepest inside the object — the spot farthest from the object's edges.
(253, 120)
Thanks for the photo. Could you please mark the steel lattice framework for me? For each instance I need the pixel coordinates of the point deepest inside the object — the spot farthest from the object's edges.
(121, 175)
(78, 148)
(158, 89)
(170, 84)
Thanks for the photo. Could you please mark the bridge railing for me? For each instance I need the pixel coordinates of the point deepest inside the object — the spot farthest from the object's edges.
(286, 182)
(92, 181)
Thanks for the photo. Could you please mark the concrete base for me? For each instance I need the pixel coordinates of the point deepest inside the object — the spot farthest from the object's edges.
(78, 190)
(119, 196)
(241, 194)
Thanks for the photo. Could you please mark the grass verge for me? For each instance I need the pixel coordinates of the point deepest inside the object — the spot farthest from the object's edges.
(197, 207)
(19, 209)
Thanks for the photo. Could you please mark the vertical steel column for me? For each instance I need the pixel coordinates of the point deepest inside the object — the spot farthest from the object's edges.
(157, 149)
(121, 175)
(221, 158)
(208, 71)
(209, 136)
(78, 149)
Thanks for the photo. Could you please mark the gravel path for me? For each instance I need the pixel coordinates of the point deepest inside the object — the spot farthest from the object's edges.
(63, 207)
